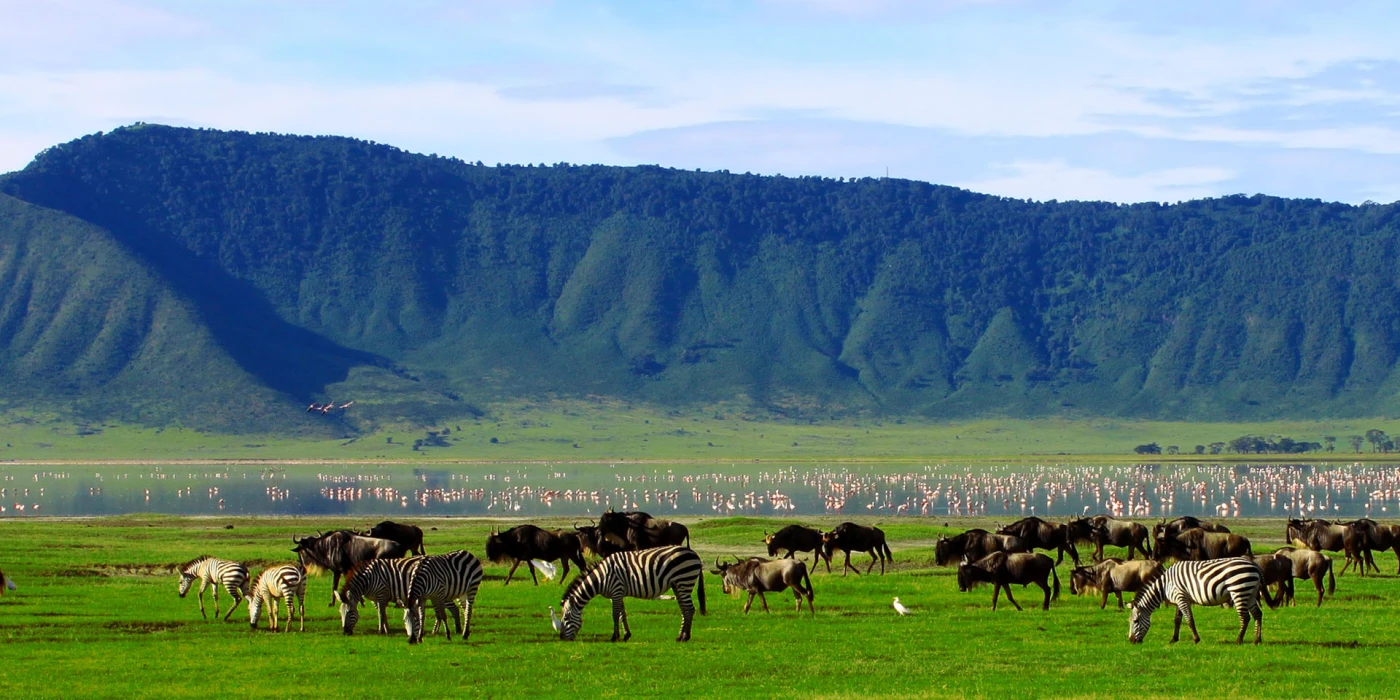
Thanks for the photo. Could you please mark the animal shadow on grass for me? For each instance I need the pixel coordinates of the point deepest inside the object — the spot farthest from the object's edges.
(143, 627)
(1353, 644)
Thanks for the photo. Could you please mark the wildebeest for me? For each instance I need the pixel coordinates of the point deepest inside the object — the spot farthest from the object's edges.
(1114, 576)
(410, 536)
(1171, 528)
(337, 551)
(1277, 569)
(641, 531)
(850, 537)
(1324, 536)
(758, 576)
(973, 545)
(594, 542)
(1103, 530)
(1308, 564)
(1042, 534)
(1366, 535)
(1197, 544)
(526, 543)
(1001, 570)
(794, 539)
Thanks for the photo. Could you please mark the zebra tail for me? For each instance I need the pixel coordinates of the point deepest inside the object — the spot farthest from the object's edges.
(700, 592)
(1055, 595)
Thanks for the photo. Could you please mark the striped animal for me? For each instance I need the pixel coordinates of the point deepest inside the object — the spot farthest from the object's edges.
(286, 582)
(443, 579)
(218, 573)
(641, 574)
(1235, 581)
(382, 581)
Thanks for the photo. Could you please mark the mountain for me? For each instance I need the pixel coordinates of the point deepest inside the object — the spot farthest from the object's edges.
(267, 270)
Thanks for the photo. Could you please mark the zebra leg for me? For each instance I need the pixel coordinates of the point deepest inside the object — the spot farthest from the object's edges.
(687, 613)
(291, 614)
(214, 591)
(383, 608)
(237, 598)
(1242, 608)
(617, 618)
(1258, 614)
(468, 603)
(440, 618)
(301, 607)
(202, 585)
(1191, 621)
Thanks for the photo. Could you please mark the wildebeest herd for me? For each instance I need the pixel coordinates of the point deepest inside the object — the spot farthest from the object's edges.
(644, 557)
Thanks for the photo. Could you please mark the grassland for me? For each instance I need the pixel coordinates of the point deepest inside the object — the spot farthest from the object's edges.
(601, 431)
(96, 615)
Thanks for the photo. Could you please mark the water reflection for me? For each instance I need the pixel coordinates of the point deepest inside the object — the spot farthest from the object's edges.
(1132, 490)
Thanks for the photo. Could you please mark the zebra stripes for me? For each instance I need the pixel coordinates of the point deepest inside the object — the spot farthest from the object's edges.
(642, 574)
(382, 581)
(443, 579)
(220, 573)
(1213, 582)
(285, 582)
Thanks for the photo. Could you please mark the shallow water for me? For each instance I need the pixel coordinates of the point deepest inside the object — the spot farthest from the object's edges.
(1137, 490)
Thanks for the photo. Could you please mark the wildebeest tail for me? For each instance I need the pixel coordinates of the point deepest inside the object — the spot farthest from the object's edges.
(1055, 592)
(888, 554)
(807, 580)
(1331, 579)
(1272, 602)
(700, 592)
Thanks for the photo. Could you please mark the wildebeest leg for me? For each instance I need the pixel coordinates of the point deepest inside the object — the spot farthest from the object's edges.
(848, 565)
(1120, 599)
(749, 604)
(335, 586)
(1013, 600)
(531, 564)
(874, 557)
(202, 585)
(1098, 551)
(996, 591)
(763, 599)
(1046, 588)
(827, 558)
(1317, 582)
(1104, 602)
(513, 567)
(1370, 561)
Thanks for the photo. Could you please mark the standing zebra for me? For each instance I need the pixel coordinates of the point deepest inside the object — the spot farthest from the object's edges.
(380, 580)
(220, 573)
(443, 579)
(1212, 582)
(286, 582)
(645, 573)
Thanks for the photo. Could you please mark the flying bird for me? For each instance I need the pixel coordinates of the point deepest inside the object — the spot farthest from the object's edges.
(313, 407)
(345, 405)
(554, 620)
(899, 608)
(546, 568)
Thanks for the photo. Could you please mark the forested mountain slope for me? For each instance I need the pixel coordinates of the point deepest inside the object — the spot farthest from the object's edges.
(312, 266)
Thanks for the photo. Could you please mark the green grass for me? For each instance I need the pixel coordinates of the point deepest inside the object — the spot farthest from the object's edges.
(601, 430)
(94, 615)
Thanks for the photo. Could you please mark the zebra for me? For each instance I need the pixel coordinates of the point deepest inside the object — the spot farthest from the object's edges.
(443, 579)
(285, 582)
(380, 580)
(645, 573)
(230, 575)
(1236, 581)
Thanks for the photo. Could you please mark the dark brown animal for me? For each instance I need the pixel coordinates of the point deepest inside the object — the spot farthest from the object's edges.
(1310, 565)
(1002, 570)
(794, 539)
(1114, 576)
(850, 537)
(1103, 530)
(641, 531)
(1197, 544)
(973, 545)
(1171, 528)
(528, 543)
(596, 543)
(1278, 571)
(1326, 536)
(339, 551)
(759, 576)
(1365, 536)
(1042, 534)
(410, 536)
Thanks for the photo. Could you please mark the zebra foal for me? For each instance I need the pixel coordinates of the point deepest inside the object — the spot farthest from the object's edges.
(285, 582)
(218, 573)
(443, 579)
(641, 574)
(382, 581)
(1235, 581)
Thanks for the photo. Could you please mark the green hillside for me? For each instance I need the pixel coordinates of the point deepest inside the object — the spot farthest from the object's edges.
(251, 270)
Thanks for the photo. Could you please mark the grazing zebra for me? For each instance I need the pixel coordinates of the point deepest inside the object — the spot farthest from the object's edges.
(641, 574)
(220, 573)
(443, 579)
(286, 582)
(1212, 582)
(380, 580)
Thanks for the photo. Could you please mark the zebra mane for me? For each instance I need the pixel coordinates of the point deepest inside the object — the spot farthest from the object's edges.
(355, 571)
(1152, 595)
(577, 583)
(202, 558)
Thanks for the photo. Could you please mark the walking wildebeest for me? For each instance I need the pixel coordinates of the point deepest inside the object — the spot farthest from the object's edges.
(1041, 534)
(850, 537)
(1308, 564)
(973, 545)
(410, 536)
(337, 551)
(1197, 544)
(794, 539)
(594, 542)
(1103, 530)
(1001, 570)
(1365, 536)
(1277, 569)
(1114, 576)
(1175, 526)
(526, 543)
(1323, 536)
(758, 576)
(641, 531)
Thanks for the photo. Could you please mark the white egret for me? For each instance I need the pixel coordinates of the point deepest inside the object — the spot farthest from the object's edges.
(546, 568)
(554, 620)
(899, 607)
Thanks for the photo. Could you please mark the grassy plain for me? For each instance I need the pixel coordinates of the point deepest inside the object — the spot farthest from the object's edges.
(96, 615)
(601, 430)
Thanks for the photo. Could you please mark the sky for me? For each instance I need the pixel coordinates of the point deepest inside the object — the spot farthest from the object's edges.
(1036, 99)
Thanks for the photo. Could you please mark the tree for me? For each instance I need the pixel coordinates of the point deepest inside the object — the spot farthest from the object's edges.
(1200, 449)
(1150, 448)
(1376, 438)
(1217, 447)
(1331, 442)
(1356, 442)
(1173, 450)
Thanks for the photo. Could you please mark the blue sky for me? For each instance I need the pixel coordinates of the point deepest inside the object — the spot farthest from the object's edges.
(1047, 99)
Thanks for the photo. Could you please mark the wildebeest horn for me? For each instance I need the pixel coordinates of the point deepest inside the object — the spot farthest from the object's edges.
(717, 564)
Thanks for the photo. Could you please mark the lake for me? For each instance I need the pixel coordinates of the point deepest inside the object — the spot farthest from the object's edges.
(1132, 490)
